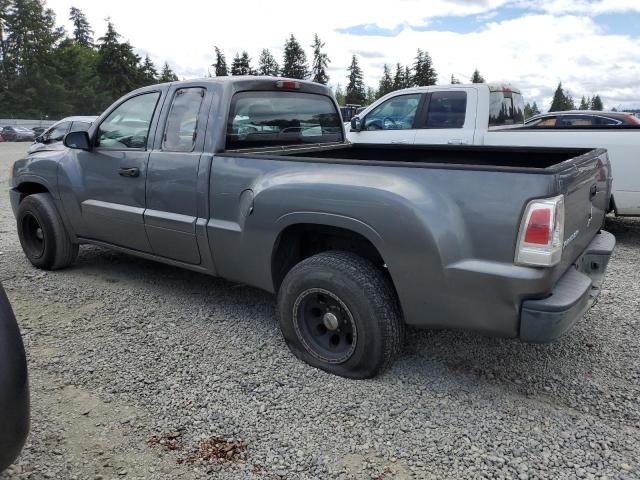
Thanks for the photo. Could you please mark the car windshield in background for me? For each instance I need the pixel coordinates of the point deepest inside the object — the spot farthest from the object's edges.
(506, 108)
(262, 119)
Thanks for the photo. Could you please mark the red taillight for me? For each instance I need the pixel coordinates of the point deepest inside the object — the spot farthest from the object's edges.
(541, 234)
(289, 84)
(539, 227)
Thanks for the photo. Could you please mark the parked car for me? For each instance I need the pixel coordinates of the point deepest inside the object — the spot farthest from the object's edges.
(14, 386)
(581, 118)
(482, 114)
(356, 240)
(17, 134)
(52, 138)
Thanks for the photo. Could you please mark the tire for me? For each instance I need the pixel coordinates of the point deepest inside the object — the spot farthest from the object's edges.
(42, 234)
(339, 313)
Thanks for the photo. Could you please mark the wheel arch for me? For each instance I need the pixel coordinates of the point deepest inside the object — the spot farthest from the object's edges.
(306, 234)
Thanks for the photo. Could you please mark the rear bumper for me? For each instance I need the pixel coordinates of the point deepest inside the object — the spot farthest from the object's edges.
(577, 290)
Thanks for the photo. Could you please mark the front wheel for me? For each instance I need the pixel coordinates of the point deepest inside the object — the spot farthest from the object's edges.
(339, 313)
(42, 234)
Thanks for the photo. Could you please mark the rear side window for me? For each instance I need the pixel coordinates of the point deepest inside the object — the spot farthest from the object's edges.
(447, 109)
(574, 121)
(267, 118)
(182, 121)
(505, 108)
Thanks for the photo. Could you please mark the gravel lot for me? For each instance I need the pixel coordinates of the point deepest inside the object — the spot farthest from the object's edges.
(139, 369)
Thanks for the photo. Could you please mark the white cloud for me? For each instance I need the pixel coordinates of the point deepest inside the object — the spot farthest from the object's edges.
(533, 51)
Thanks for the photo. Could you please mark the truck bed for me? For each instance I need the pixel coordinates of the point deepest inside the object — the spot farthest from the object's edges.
(532, 159)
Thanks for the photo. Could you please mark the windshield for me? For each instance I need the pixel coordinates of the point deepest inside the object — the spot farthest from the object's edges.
(506, 108)
(261, 119)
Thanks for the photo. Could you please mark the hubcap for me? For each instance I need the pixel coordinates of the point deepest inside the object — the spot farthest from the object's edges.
(325, 326)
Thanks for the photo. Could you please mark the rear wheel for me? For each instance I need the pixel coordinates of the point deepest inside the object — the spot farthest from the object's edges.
(339, 313)
(42, 234)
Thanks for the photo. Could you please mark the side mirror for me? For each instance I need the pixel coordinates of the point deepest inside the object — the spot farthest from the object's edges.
(77, 140)
(39, 139)
(356, 124)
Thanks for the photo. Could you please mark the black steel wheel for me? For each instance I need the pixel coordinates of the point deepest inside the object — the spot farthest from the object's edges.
(325, 325)
(33, 235)
(42, 234)
(339, 312)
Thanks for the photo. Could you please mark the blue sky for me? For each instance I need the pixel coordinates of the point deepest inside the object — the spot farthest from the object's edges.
(592, 46)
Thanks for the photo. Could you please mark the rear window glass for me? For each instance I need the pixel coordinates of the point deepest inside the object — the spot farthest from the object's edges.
(447, 109)
(262, 119)
(506, 108)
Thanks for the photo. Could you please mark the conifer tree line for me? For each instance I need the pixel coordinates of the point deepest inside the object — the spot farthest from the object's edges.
(47, 72)
(562, 100)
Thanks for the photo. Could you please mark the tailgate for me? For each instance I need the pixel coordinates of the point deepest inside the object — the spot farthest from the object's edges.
(586, 186)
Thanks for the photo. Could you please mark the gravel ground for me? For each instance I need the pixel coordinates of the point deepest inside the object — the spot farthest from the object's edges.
(141, 370)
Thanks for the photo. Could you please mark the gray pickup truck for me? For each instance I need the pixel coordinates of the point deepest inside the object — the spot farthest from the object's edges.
(250, 179)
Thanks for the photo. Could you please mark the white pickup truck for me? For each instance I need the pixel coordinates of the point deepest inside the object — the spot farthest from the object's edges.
(483, 114)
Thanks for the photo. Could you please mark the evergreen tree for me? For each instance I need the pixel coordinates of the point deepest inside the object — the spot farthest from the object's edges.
(476, 77)
(372, 95)
(398, 79)
(76, 66)
(339, 94)
(167, 75)
(30, 82)
(320, 62)
(221, 64)
(454, 80)
(82, 32)
(386, 82)
(355, 88)
(241, 64)
(560, 100)
(267, 64)
(148, 72)
(424, 73)
(117, 67)
(596, 103)
(408, 78)
(584, 104)
(294, 64)
(534, 109)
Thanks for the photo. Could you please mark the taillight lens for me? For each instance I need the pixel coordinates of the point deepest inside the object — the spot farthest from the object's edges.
(541, 233)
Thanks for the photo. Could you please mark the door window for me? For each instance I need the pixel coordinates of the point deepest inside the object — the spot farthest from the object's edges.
(182, 123)
(397, 113)
(127, 126)
(56, 133)
(447, 109)
(80, 127)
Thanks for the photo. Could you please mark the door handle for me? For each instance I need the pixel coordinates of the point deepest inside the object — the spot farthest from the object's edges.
(457, 141)
(399, 141)
(593, 191)
(129, 172)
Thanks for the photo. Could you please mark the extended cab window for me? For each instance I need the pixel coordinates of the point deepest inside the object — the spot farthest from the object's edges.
(182, 122)
(128, 125)
(447, 109)
(505, 108)
(397, 113)
(266, 118)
